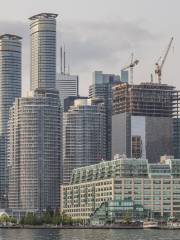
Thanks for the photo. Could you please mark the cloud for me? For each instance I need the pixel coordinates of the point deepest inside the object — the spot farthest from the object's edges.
(90, 43)
(17, 28)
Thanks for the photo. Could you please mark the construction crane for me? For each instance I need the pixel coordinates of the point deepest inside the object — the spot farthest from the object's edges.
(130, 66)
(152, 78)
(158, 65)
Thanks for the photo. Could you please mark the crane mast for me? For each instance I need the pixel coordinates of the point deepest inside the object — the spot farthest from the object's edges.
(159, 67)
(131, 66)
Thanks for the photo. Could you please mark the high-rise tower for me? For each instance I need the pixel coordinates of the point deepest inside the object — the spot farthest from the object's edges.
(10, 88)
(68, 86)
(43, 50)
(84, 136)
(34, 132)
(34, 152)
(102, 88)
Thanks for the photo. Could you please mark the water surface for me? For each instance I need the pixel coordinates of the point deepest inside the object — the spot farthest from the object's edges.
(87, 234)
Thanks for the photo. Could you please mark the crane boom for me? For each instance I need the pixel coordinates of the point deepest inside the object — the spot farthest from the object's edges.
(159, 67)
(131, 66)
(167, 51)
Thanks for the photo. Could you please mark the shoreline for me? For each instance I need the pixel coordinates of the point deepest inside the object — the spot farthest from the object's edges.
(86, 227)
(70, 227)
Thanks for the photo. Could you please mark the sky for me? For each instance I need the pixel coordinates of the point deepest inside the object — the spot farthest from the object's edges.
(102, 34)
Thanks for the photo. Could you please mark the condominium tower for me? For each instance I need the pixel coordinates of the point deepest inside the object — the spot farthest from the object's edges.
(34, 132)
(34, 153)
(43, 50)
(10, 88)
(102, 88)
(84, 136)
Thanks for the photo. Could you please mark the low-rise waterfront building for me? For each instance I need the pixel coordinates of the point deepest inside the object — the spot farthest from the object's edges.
(154, 187)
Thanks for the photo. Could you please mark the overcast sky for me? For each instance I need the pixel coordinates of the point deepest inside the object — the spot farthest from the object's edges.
(101, 34)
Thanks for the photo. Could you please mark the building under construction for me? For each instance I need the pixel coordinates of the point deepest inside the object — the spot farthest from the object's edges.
(143, 120)
(145, 99)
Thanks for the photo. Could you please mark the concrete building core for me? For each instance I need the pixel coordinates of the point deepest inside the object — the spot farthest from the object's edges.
(142, 121)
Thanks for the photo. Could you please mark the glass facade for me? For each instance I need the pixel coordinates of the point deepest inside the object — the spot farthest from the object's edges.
(153, 187)
(10, 88)
(116, 168)
(102, 88)
(118, 211)
(43, 51)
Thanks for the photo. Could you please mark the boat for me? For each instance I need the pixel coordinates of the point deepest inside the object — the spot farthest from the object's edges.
(150, 224)
(173, 225)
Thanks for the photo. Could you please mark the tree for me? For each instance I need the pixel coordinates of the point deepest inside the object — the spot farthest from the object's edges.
(12, 219)
(126, 218)
(66, 220)
(4, 218)
(31, 219)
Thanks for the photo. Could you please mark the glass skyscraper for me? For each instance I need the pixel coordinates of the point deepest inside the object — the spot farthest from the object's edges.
(10, 88)
(43, 50)
(102, 88)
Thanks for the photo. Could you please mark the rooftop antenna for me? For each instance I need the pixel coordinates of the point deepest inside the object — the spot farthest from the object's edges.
(69, 64)
(69, 69)
(64, 60)
(61, 60)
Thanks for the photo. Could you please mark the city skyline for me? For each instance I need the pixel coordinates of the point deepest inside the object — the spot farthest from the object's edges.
(106, 158)
(84, 26)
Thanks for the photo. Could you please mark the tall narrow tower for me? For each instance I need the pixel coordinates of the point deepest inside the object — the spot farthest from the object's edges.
(10, 88)
(34, 132)
(43, 50)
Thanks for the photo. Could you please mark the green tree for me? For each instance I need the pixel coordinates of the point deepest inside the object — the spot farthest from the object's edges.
(47, 218)
(126, 218)
(66, 220)
(4, 218)
(12, 219)
(31, 219)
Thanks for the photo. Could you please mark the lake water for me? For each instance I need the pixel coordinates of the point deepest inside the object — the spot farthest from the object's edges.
(95, 234)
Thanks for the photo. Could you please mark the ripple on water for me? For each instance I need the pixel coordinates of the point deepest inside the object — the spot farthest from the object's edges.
(87, 234)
